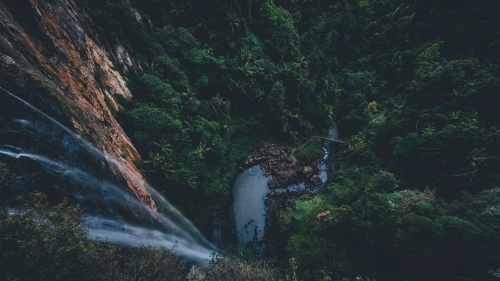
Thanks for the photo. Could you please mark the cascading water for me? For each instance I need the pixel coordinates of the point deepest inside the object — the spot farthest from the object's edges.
(46, 153)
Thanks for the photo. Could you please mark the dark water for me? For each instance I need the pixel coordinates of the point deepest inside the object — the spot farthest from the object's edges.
(253, 201)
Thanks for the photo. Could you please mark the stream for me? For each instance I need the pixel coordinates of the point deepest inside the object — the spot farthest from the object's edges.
(253, 200)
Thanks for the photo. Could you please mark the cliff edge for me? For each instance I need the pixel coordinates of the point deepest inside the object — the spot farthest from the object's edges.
(47, 41)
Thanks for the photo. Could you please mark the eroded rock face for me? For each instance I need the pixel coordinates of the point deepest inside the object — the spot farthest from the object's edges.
(47, 40)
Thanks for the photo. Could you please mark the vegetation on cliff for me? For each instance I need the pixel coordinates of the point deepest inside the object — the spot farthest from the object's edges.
(413, 87)
(213, 84)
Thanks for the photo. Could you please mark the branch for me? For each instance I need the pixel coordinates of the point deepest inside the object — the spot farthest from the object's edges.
(320, 137)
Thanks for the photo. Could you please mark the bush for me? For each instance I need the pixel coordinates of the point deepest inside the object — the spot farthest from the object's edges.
(42, 242)
(230, 269)
(280, 31)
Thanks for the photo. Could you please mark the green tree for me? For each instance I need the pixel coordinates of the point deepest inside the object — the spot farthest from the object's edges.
(276, 105)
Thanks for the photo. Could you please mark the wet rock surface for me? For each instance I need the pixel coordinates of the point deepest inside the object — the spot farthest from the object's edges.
(494, 272)
(285, 169)
(46, 42)
(288, 178)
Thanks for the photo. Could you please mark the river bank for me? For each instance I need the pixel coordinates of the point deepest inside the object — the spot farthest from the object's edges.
(261, 190)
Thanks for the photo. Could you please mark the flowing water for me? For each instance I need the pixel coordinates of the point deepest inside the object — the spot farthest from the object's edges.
(251, 191)
(47, 155)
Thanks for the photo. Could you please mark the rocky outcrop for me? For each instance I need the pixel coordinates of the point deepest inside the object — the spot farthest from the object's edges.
(47, 40)
(285, 169)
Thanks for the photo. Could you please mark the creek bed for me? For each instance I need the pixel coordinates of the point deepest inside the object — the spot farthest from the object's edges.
(254, 203)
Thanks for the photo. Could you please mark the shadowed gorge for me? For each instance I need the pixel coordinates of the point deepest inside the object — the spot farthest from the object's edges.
(227, 108)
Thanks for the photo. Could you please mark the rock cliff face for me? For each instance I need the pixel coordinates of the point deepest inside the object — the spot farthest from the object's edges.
(46, 41)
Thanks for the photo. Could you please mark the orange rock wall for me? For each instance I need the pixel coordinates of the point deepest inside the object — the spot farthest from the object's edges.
(48, 38)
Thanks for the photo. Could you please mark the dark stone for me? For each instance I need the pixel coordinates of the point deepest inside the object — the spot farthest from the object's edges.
(285, 169)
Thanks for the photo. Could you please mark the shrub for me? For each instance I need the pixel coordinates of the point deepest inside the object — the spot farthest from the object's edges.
(230, 269)
(280, 31)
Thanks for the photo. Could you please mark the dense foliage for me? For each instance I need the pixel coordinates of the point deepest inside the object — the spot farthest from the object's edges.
(211, 84)
(43, 242)
(414, 196)
(413, 87)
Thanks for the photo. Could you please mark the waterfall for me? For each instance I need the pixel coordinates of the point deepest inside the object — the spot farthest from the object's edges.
(70, 160)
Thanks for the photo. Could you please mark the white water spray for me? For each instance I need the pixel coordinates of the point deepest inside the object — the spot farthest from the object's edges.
(37, 111)
(183, 237)
(134, 236)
